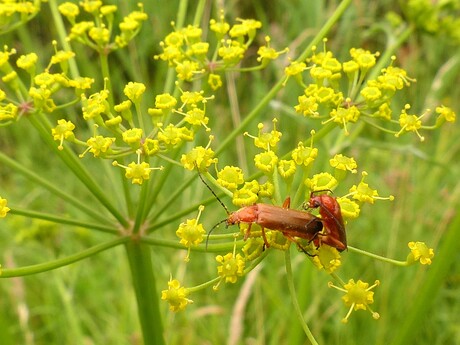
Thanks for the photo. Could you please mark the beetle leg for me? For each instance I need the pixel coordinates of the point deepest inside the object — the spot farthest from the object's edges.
(247, 233)
(292, 239)
(264, 236)
(287, 203)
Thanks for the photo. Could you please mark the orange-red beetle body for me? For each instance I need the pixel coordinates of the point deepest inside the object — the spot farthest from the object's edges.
(292, 223)
(331, 216)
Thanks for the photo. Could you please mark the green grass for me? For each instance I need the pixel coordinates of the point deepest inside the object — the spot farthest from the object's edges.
(93, 301)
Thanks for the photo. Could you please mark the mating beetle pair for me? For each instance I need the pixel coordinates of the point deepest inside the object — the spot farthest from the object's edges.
(294, 223)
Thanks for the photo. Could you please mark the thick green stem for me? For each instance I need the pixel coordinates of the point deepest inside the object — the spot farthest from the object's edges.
(143, 275)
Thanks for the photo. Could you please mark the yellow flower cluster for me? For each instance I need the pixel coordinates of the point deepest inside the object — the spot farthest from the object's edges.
(365, 98)
(98, 33)
(193, 58)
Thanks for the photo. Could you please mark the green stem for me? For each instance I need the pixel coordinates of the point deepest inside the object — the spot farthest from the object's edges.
(180, 214)
(378, 257)
(51, 265)
(141, 208)
(295, 302)
(170, 201)
(105, 69)
(214, 281)
(212, 248)
(390, 50)
(52, 187)
(62, 220)
(143, 276)
(68, 157)
(171, 74)
(199, 10)
(60, 28)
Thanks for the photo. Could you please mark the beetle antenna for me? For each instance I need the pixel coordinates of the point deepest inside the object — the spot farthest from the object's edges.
(320, 191)
(213, 193)
(209, 233)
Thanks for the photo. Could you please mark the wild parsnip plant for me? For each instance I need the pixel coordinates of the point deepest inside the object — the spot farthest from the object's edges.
(138, 151)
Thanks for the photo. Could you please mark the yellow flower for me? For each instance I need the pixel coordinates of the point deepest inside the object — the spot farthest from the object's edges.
(244, 197)
(64, 130)
(266, 161)
(232, 52)
(357, 296)
(231, 267)
(61, 56)
(342, 162)
(420, 252)
(266, 140)
(138, 172)
(172, 136)
(364, 58)
(27, 62)
(191, 232)
(69, 10)
(151, 146)
(321, 181)
(132, 136)
(95, 105)
(304, 155)
(295, 68)
(198, 156)
(327, 258)
(99, 35)
(307, 106)
(410, 123)
(286, 168)
(8, 112)
(349, 208)
(221, 27)
(446, 113)
(253, 248)
(134, 91)
(214, 81)
(165, 101)
(230, 177)
(187, 69)
(98, 145)
(3, 208)
(176, 296)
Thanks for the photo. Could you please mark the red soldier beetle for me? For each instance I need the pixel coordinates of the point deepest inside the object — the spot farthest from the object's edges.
(291, 223)
(331, 216)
